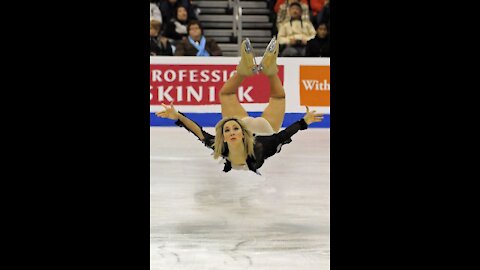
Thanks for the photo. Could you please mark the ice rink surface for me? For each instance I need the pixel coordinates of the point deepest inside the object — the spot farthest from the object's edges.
(204, 219)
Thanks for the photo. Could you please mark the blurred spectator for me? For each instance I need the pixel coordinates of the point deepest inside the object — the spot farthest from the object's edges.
(283, 14)
(155, 13)
(169, 8)
(324, 15)
(197, 44)
(294, 34)
(158, 45)
(316, 7)
(177, 27)
(278, 3)
(320, 45)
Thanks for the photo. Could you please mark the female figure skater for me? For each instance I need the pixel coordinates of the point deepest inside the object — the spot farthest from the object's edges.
(245, 142)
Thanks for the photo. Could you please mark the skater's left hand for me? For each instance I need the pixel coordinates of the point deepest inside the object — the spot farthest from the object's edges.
(312, 116)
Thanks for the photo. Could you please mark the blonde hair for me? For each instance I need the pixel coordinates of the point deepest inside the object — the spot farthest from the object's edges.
(219, 145)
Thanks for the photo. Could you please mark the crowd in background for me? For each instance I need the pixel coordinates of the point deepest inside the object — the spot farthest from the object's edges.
(302, 28)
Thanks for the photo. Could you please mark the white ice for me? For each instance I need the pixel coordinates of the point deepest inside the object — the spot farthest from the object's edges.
(203, 218)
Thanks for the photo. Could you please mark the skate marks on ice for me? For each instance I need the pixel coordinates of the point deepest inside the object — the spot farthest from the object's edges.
(202, 218)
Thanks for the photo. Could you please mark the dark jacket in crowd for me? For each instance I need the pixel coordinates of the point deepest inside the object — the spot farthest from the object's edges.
(176, 29)
(157, 48)
(318, 47)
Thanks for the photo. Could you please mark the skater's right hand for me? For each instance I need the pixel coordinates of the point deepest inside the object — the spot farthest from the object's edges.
(169, 112)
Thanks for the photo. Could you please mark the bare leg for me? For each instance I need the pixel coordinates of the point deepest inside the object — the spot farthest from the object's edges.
(274, 113)
(231, 107)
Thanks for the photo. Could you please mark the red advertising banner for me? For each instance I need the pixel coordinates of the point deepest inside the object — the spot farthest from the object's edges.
(200, 84)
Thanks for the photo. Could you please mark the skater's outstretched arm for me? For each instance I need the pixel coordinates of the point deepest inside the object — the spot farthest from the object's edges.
(310, 117)
(272, 144)
(184, 121)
